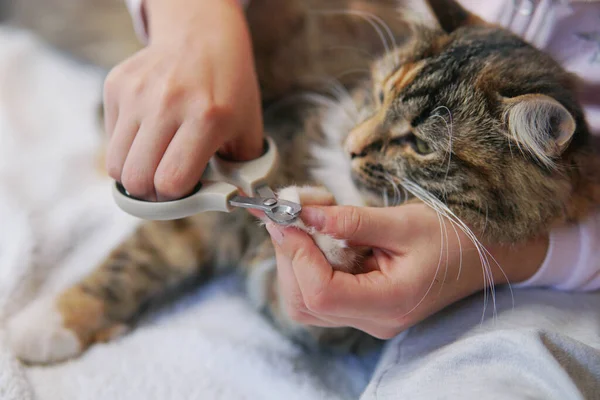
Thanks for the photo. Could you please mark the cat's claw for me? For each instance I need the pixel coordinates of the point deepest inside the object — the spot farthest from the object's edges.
(37, 335)
(341, 256)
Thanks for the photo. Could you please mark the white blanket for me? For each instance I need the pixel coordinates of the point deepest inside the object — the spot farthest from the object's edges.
(57, 220)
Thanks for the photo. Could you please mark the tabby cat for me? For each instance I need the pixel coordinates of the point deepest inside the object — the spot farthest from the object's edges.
(463, 116)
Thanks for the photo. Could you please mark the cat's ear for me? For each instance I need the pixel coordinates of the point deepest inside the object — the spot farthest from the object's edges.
(540, 124)
(450, 15)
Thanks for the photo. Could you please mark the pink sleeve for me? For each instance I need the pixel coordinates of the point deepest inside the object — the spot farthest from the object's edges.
(567, 30)
(136, 9)
(573, 259)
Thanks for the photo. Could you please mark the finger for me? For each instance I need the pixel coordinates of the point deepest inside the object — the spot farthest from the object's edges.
(289, 290)
(110, 104)
(362, 226)
(235, 85)
(248, 143)
(110, 113)
(119, 145)
(293, 302)
(378, 329)
(290, 297)
(186, 157)
(334, 293)
(144, 156)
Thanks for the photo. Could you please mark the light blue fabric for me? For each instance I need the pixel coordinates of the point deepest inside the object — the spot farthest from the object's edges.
(546, 347)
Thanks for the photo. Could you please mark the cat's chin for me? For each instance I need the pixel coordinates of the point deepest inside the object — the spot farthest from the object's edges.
(371, 195)
(375, 196)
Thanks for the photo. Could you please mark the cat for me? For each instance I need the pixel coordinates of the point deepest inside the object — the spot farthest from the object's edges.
(461, 115)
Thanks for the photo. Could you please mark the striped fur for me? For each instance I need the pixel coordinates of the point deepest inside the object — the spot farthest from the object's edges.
(510, 151)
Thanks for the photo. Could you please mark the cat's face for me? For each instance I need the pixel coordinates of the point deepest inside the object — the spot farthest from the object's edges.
(475, 118)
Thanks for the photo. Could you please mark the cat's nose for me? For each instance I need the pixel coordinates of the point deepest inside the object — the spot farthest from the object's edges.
(363, 139)
(358, 155)
(354, 148)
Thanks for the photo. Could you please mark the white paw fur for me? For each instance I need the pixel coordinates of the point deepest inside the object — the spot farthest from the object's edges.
(37, 335)
(337, 252)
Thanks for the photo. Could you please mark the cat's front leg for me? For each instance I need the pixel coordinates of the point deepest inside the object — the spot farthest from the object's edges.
(266, 295)
(159, 256)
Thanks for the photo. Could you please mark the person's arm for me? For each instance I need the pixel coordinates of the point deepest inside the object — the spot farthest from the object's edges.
(573, 259)
(190, 92)
(138, 16)
(417, 268)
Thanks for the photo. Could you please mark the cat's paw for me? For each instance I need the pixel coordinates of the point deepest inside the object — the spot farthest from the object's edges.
(338, 253)
(37, 334)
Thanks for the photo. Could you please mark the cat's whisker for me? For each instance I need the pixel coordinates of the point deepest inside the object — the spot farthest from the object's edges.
(386, 200)
(460, 252)
(390, 181)
(371, 19)
(340, 89)
(369, 55)
(397, 199)
(485, 222)
(339, 92)
(324, 101)
(437, 270)
(510, 149)
(483, 253)
(397, 194)
(449, 127)
(353, 71)
(445, 245)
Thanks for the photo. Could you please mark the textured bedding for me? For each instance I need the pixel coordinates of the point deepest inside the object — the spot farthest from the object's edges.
(58, 219)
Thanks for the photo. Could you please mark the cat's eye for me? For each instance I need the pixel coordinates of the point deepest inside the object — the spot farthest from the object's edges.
(421, 146)
(381, 96)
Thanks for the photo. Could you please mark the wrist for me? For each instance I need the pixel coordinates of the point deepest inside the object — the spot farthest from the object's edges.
(519, 262)
(168, 19)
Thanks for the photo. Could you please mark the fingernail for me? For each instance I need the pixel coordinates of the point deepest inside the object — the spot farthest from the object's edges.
(313, 217)
(276, 232)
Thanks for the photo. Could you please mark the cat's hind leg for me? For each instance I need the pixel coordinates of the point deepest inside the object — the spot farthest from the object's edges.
(159, 256)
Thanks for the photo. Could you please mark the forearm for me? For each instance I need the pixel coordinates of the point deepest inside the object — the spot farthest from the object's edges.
(518, 263)
(171, 15)
(573, 258)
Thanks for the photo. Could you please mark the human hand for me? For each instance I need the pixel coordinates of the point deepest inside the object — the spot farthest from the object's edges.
(412, 275)
(191, 92)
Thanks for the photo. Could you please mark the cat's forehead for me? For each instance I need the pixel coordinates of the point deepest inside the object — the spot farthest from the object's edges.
(467, 72)
(435, 57)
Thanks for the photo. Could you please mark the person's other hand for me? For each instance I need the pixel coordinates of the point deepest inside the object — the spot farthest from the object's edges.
(416, 269)
(191, 92)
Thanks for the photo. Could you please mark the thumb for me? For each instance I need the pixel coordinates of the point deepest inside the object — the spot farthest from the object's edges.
(361, 226)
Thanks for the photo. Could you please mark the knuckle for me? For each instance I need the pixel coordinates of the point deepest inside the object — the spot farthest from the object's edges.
(300, 257)
(172, 96)
(296, 314)
(211, 115)
(351, 222)
(385, 333)
(136, 183)
(114, 170)
(170, 183)
(137, 88)
(318, 303)
(401, 322)
(111, 83)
